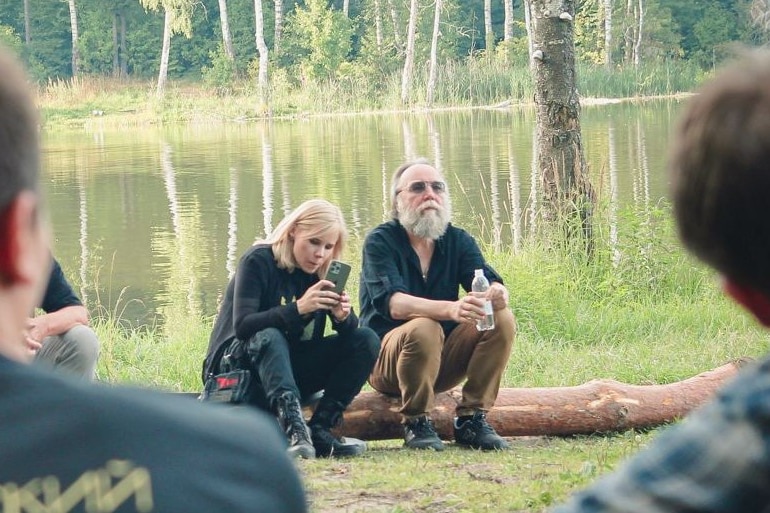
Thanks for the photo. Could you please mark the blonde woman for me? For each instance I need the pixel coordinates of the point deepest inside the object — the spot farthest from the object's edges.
(272, 322)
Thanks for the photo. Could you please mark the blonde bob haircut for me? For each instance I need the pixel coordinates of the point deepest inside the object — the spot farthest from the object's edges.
(314, 218)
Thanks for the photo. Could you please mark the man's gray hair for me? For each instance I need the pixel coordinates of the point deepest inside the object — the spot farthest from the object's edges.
(397, 176)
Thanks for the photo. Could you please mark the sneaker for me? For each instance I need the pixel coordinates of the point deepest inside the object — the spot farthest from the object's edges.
(329, 446)
(419, 434)
(476, 433)
(293, 424)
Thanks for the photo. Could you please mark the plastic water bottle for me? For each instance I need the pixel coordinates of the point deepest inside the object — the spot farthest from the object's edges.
(481, 284)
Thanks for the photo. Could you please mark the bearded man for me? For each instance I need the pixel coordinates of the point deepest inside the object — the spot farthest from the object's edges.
(412, 270)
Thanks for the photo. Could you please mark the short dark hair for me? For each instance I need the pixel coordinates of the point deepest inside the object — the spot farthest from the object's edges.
(19, 144)
(720, 172)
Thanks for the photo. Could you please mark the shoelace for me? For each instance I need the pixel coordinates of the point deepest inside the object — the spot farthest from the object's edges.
(423, 428)
(479, 421)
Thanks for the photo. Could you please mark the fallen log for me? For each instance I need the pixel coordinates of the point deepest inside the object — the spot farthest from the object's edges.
(598, 406)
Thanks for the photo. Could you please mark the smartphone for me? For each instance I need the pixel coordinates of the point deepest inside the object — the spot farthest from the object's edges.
(338, 274)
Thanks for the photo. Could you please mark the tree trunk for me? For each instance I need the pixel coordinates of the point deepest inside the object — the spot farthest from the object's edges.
(638, 43)
(27, 24)
(259, 35)
(528, 25)
(566, 190)
(489, 34)
(406, 77)
(378, 25)
(115, 47)
(278, 25)
(508, 24)
(163, 72)
(434, 54)
(346, 8)
(608, 33)
(227, 39)
(74, 28)
(629, 34)
(123, 47)
(396, 24)
(598, 406)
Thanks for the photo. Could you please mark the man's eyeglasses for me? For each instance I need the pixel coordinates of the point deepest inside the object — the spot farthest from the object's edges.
(420, 186)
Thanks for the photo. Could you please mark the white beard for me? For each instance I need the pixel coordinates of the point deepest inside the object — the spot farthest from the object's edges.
(426, 223)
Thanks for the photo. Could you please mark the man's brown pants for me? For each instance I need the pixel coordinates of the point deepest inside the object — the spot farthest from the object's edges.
(416, 362)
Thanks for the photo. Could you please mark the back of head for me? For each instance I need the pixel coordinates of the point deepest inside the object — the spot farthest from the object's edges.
(720, 172)
(19, 152)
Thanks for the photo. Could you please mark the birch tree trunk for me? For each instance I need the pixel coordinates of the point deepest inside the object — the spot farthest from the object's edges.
(508, 24)
(278, 33)
(433, 54)
(629, 34)
(406, 77)
(27, 24)
(759, 13)
(74, 28)
(122, 55)
(560, 159)
(396, 24)
(259, 35)
(163, 72)
(115, 47)
(638, 43)
(528, 25)
(346, 8)
(378, 25)
(608, 33)
(227, 39)
(489, 35)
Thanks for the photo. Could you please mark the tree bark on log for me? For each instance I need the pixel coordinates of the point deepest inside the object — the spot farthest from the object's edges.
(595, 407)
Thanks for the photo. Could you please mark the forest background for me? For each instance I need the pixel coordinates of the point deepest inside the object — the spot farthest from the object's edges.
(355, 55)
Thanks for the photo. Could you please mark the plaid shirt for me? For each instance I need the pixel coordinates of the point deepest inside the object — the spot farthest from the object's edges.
(717, 460)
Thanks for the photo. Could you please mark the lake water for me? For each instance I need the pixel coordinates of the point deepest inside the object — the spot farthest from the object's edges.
(151, 218)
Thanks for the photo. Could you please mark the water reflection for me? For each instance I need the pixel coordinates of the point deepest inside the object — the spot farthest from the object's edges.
(161, 225)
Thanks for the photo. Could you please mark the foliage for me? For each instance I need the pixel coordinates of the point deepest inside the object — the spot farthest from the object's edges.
(317, 41)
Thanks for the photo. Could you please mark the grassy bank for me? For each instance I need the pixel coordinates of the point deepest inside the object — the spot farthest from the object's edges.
(639, 311)
(99, 101)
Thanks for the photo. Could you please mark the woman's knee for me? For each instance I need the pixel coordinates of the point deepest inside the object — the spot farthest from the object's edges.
(268, 340)
(367, 341)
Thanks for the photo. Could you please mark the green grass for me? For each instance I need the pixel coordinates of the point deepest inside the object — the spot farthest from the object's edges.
(639, 311)
(93, 102)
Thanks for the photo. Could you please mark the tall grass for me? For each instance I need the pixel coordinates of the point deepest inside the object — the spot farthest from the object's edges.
(477, 81)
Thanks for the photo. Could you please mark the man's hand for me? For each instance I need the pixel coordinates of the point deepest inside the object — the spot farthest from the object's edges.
(498, 295)
(34, 335)
(469, 309)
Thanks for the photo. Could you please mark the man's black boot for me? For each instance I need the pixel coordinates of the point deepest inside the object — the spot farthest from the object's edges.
(293, 424)
(327, 416)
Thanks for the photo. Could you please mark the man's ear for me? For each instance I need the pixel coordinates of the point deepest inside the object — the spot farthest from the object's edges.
(18, 225)
(754, 301)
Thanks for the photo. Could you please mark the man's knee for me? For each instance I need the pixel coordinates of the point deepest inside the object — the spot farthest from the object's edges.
(84, 342)
(423, 335)
(505, 327)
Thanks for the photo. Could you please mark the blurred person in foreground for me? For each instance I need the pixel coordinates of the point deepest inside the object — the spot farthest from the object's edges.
(72, 446)
(718, 458)
(412, 270)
